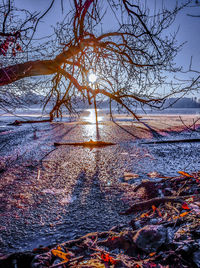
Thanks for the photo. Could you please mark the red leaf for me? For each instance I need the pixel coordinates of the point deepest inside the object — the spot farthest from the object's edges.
(154, 208)
(198, 180)
(159, 213)
(112, 261)
(106, 257)
(185, 206)
(152, 265)
(114, 237)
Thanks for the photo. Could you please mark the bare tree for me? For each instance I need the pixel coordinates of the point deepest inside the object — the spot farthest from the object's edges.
(131, 61)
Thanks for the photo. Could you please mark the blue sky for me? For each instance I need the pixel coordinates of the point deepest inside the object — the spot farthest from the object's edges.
(189, 30)
(189, 27)
(190, 33)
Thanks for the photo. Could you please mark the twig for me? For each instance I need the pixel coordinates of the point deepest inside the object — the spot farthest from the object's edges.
(18, 123)
(47, 154)
(148, 203)
(71, 243)
(171, 141)
(66, 262)
(182, 187)
(156, 201)
(38, 175)
(192, 127)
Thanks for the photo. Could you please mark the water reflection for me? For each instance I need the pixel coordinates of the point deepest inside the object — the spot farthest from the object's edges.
(91, 130)
(90, 133)
(90, 117)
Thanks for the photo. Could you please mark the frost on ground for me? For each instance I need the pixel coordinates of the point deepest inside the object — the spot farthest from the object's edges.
(54, 194)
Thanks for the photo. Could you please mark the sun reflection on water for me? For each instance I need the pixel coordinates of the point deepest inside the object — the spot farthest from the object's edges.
(90, 130)
(89, 116)
(92, 117)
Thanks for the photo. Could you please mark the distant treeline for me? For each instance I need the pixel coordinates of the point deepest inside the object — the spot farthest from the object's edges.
(32, 98)
(182, 103)
(169, 103)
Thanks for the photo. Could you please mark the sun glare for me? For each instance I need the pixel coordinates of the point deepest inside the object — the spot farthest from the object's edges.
(92, 118)
(92, 78)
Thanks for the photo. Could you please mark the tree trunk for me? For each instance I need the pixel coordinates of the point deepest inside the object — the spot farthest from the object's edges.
(96, 116)
(31, 68)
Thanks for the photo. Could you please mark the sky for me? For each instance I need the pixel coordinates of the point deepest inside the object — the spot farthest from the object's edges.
(189, 27)
(189, 32)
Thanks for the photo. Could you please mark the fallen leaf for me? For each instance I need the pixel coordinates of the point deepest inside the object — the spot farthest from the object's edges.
(185, 206)
(144, 215)
(181, 215)
(152, 265)
(198, 180)
(60, 254)
(185, 174)
(184, 214)
(114, 237)
(137, 266)
(107, 258)
(154, 208)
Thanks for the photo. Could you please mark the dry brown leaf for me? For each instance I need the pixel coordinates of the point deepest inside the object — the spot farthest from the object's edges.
(184, 214)
(60, 254)
(152, 254)
(185, 174)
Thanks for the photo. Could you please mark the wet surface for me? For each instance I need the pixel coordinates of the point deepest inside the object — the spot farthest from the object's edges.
(49, 194)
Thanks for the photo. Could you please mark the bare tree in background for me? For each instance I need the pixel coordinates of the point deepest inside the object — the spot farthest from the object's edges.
(132, 61)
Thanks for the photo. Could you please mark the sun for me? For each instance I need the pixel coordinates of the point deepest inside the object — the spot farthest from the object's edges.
(92, 77)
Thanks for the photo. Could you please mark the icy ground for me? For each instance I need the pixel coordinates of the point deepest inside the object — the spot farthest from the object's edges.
(51, 194)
